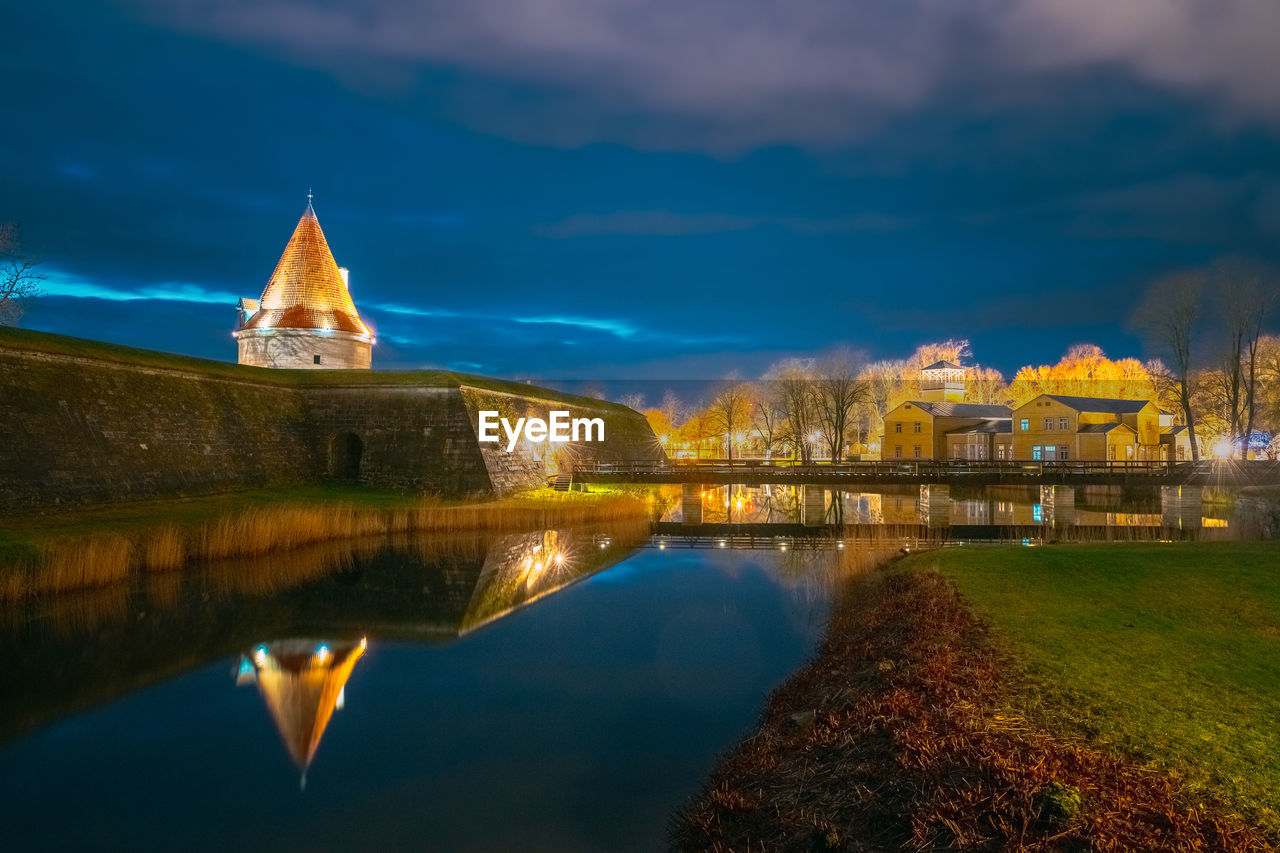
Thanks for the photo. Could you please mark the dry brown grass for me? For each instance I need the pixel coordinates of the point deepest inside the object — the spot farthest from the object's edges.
(98, 559)
(900, 736)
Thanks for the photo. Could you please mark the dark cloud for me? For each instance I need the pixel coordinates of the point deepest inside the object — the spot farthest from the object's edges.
(747, 180)
(743, 72)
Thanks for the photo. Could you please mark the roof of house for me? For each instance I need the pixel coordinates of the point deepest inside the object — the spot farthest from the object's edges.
(306, 290)
(1100, 404)
(943, 365)
(949, 409)
(1094, 428)
(997, 426)
(1173, 430)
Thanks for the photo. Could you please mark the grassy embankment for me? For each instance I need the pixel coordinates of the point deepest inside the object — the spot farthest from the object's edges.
(63, 345)
(1169, 653)
(87, 548)
(1094, 697)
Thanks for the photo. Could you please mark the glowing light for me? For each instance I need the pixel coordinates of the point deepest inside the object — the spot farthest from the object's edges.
(1222, 448)
(322, 653)
(260, 655)
(840, 544)
(559, 559)
(782, 547)
(723, 543)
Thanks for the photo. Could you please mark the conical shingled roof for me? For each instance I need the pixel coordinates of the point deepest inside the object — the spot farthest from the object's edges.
(301, 680)
(306, 291)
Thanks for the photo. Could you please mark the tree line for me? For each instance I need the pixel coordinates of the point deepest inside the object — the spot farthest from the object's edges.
(1211, 365)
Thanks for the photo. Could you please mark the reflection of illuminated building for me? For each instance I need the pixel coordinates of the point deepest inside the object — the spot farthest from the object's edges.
(302, 682)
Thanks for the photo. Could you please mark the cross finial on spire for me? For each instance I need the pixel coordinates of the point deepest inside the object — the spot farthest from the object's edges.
(309, 196)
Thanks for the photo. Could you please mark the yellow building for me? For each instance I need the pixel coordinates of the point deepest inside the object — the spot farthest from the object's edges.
(925, 429)
(305, 318)
(1054, 427)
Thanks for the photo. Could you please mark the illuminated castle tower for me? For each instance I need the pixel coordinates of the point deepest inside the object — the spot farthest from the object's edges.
(305, 318)
(303, 682)
(942, 381)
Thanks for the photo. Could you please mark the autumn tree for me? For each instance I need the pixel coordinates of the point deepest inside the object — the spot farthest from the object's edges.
(19, 281)
(985, 385)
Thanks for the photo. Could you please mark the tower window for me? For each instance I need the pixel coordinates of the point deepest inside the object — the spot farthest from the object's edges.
(315, 359)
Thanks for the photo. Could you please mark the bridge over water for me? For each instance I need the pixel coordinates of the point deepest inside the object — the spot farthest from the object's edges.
(1226, 473)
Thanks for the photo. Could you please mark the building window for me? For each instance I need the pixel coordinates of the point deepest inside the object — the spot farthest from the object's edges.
(1048, 424)
(1111, 452)
(315, 359)
(1182, 453)
(1128, 451)
(1024, 424)
(1062, 423)
(915, 427)
(916, 451)
(1062, 452)
(1036, 452)
(897, 427)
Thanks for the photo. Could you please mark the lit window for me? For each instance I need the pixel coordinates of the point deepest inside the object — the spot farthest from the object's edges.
(1036, 452)
(1024, 424)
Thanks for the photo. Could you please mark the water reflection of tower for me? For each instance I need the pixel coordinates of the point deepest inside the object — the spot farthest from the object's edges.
(302, 683)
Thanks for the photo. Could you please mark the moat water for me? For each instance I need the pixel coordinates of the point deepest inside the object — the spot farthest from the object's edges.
(551, 690)
(562, 689)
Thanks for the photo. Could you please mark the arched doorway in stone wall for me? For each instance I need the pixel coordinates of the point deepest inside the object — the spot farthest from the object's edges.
(345, 450)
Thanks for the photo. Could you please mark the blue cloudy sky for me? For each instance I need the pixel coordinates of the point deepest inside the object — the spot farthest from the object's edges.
(656, 189)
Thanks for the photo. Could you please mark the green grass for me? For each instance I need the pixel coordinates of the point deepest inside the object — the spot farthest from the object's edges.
(1167, 651)
(44, 342)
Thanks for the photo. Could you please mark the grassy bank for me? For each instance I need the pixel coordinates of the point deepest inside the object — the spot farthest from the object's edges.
(911, 729)
(88, 548)
(1168, 652)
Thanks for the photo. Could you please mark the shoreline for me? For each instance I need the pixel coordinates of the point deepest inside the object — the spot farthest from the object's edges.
(904, 732)
(84, 549)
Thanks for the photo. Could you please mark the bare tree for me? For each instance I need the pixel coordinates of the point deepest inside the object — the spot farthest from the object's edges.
(729, 412)
(672, 408)
(633, 401)
(883, 379)
(768, 416)
(793, 380)
(1169, 316)
(19, 282)
(838, 390)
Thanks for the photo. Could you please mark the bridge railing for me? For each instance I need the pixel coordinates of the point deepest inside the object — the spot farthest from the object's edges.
(949, 468)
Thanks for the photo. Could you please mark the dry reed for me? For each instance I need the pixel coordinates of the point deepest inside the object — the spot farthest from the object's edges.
(101, 559)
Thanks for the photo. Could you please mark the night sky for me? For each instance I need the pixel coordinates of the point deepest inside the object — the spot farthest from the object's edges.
(600, 189)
